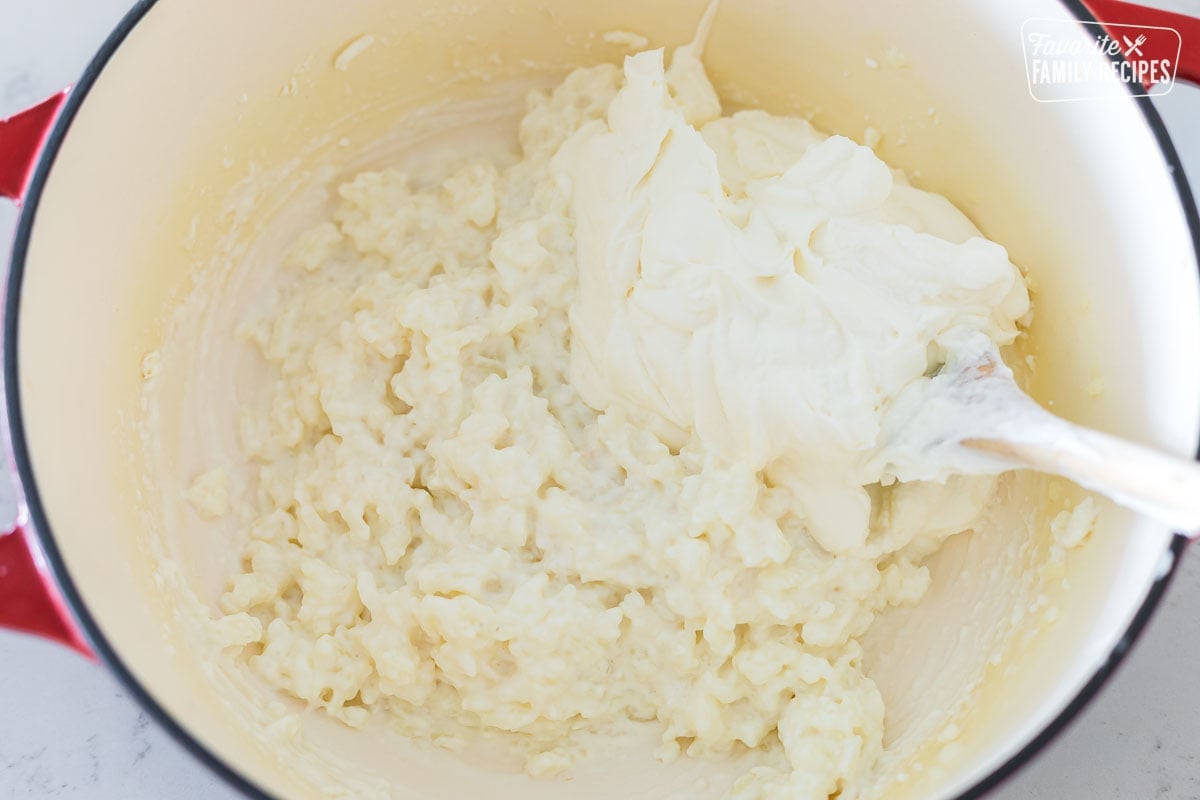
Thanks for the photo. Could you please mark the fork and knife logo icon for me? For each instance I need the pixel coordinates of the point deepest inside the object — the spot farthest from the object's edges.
(1134, 46)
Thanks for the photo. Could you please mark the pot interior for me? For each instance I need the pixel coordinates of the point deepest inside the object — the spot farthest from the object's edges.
(217, 130)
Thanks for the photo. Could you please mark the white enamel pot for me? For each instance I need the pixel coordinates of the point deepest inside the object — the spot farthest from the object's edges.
(123, 183)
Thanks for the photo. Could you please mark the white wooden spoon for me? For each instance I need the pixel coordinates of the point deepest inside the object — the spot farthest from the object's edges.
(971, 417)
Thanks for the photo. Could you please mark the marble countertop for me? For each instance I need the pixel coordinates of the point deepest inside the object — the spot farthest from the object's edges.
(68, 729)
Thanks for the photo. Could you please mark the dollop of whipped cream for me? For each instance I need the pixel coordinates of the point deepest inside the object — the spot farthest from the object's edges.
(771, 290)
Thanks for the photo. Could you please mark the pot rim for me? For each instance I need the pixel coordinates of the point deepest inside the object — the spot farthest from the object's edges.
(108, 655)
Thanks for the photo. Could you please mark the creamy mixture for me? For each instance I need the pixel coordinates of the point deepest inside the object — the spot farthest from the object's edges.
(586, 435)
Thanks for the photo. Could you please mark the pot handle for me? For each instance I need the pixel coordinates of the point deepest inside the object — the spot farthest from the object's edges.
(21, 139)
(1118, 12)
(29, 599)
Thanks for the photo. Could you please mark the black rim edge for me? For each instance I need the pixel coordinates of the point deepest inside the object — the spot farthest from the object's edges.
(167, 721)
(33, 503)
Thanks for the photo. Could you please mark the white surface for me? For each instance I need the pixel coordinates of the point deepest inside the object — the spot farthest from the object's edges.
(68, 730)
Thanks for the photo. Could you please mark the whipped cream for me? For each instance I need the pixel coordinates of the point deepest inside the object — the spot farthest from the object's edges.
(765, 287)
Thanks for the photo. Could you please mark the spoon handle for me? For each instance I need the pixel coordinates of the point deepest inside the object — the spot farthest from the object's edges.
(1161, 486)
